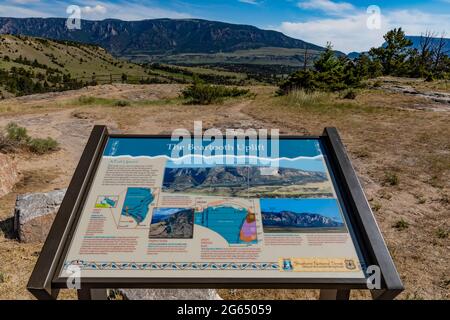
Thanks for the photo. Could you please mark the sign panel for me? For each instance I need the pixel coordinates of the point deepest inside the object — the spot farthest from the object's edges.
(254, 213)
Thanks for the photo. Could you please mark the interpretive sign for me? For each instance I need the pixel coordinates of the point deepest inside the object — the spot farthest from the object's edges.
(153, 211)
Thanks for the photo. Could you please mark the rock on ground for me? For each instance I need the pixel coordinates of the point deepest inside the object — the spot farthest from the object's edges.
(170, 294)
(9, 175)
(34, 214)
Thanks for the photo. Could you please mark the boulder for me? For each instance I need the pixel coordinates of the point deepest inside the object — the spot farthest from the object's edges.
(9, 175)
(34, 214)
(170, 294)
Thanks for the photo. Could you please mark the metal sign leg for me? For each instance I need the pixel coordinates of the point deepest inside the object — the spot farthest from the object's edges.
(92, 294)
(333, 294)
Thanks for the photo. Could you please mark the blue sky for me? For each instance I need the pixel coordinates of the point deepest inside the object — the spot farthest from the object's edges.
(343, 22)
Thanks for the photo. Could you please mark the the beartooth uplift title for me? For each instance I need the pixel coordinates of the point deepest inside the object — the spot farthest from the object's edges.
(236, 146)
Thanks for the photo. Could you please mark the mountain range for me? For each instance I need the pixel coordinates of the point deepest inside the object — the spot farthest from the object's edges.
(182, 179)
(289, 219)
(156, 36)
(416, 40)
(180, 41)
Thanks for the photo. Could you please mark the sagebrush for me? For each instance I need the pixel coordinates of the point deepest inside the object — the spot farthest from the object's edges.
(17, 137)
(200, 93)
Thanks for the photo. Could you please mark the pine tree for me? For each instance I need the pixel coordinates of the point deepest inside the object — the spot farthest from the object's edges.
(393, 54)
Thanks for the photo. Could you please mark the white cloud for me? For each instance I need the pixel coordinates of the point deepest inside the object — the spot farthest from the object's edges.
(416, 22)
(91, 10)
(350, 33)
(20, 12)
(98, 9)
(249, 1)
(346, 34)
(129, 10)
(327, 6)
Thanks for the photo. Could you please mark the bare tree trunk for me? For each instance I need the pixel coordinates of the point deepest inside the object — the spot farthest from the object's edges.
(439, 52)
(305, 59)
(426, 49)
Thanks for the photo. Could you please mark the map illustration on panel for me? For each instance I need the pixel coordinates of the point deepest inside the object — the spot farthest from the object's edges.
(106, 202)
(301, 215)
(172, 223)
(235, 225)
(136, 205)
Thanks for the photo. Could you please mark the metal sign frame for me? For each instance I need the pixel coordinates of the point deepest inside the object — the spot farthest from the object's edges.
(45, 283)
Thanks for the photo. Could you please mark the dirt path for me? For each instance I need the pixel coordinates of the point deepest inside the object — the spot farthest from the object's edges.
(111, 91)
(236, 118)
(71, 133)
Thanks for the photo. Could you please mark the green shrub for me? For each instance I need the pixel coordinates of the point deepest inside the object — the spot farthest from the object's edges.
(442, 233)
(200, 93)
(17, 137)
(17, 134)
(6, 145)
(391, 179)
(377, 84)
(2, 277)
(311, 80)
(41, 146)
(122, 103)
(376, 207)
(86, 100)
(445, 199)
(349, 94)
(401, 225)
(98, 101)
(330, 73)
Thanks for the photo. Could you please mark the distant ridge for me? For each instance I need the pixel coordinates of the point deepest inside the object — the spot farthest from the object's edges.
(415, 45)
(157, 36)
(434, 41)
(292, 219)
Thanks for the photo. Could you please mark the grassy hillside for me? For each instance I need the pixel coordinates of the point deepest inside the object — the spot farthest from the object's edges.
(33, 65)
(68, 57)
